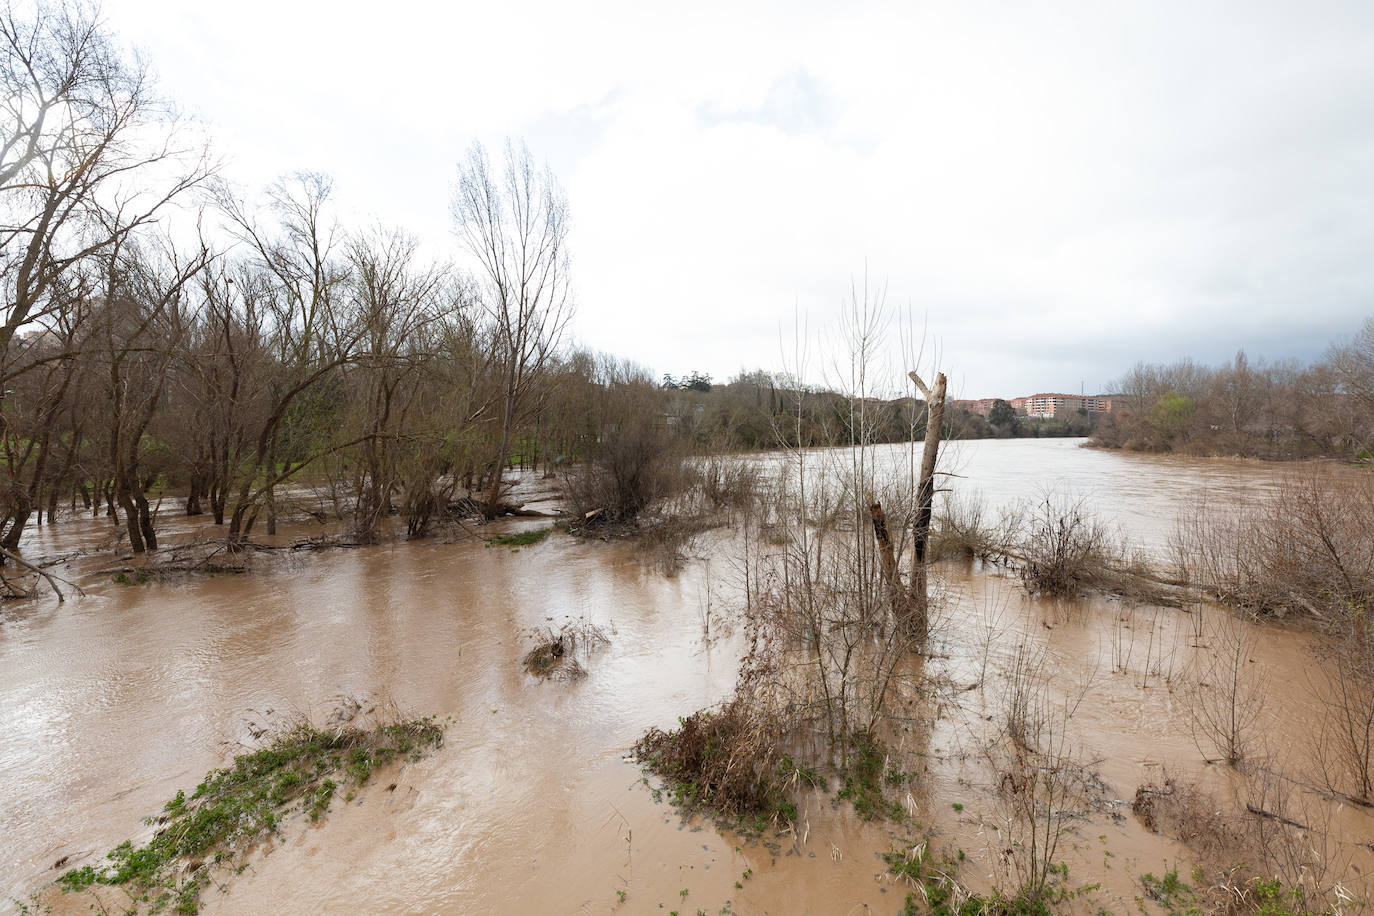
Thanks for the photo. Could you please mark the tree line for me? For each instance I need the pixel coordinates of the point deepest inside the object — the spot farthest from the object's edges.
(162, 332)
(1250, 408)
(758, 410)
(165, 333)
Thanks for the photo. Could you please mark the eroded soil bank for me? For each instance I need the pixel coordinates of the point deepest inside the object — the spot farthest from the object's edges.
(111, 703)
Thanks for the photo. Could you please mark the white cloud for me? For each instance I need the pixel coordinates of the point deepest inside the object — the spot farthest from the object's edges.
(1064, 191)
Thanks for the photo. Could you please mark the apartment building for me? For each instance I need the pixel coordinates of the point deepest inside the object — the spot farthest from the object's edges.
(1044, 405)
(981, 406)
(1047, 405)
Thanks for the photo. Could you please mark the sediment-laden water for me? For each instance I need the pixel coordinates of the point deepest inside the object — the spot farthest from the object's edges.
(111, 703)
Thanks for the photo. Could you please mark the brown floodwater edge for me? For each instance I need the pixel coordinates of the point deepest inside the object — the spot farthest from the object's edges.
(111, 703)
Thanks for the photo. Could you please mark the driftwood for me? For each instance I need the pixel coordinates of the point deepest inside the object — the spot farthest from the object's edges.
(1260, 812)
(472, 507)
(521, 512)
(43, 573)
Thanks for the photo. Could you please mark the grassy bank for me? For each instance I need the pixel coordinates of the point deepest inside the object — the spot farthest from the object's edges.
(301, 769)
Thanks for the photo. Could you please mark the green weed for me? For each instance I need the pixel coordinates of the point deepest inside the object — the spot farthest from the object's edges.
(236, 806)
(522, 539)
(861, 783)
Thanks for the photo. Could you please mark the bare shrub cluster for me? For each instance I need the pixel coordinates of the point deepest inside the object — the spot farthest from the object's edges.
(1267, 851)
(1306, 548)
(1057, 545)
(635, 460)
(1343, 686)
(1042, 784)
(1227, 697)
(727, 483)
(966, 529)
(554, 651)
(1065, 548)
(728, 761)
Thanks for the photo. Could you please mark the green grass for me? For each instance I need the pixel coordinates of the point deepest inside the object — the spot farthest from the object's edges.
(137, 576)
(235, 807)
(1171, 893)
(522, 539)
(862, 781)
(940, 893)
(1273, 897)
(937, 895)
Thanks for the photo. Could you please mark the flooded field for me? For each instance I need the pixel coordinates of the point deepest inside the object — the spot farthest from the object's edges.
(111, 703)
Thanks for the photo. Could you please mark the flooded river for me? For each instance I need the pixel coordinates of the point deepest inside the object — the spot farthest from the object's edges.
(111, 703)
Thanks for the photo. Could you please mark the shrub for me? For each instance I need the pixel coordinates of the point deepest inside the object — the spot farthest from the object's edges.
(633, 464)
(1064, 548)
(728, 762)
(1306, 548)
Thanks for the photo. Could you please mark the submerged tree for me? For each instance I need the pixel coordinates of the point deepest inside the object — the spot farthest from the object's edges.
(515, 225)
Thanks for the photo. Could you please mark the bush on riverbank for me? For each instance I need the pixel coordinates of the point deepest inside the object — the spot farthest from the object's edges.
(1306, 548)
(1058, 548)
(1289, 868)
(1065, 549)
(634, 462)
(728, 762)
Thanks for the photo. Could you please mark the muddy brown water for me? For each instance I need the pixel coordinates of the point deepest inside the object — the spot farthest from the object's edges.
(111, 703)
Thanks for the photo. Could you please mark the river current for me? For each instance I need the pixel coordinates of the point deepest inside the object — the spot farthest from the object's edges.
(111, 703)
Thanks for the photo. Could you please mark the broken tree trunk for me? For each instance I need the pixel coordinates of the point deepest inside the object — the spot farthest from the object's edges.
(899, 596)
(925, 498)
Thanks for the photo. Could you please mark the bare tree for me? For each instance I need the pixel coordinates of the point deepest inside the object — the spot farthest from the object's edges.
(142, 318)
(1226, 700)
(396, 306)
(81, 135)
(34, 432)
(1353, 365)
(301, 280)
(515, 226)
(1343, 686)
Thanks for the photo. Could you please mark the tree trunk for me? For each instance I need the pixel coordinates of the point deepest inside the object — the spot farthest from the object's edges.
(898, 595)
(131, 520)
(217, 498)
(271, 492)
(18, 518)
(925, 498)
(145, 520)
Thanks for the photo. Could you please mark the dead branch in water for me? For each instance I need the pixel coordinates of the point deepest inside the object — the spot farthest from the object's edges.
(42, 573)
(552, 655)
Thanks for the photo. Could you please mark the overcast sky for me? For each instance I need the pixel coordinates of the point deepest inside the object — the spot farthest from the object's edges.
(1062, 188)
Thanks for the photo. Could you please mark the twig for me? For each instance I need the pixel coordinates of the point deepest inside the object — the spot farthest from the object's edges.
(51, 579)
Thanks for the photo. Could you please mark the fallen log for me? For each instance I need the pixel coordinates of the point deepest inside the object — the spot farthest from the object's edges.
(1260, 812)
(47, 576)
